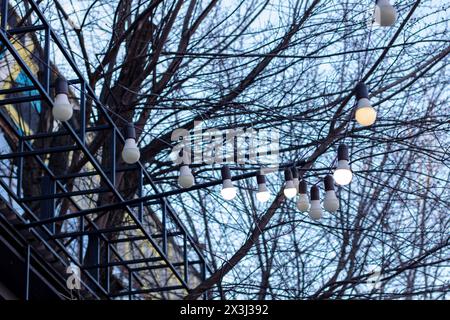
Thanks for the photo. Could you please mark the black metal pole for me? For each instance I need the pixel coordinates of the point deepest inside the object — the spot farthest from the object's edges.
(27, 273)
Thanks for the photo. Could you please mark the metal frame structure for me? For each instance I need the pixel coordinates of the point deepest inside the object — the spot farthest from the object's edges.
(69, 246)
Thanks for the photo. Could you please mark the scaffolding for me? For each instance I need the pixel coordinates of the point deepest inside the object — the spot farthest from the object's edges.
(172, 261)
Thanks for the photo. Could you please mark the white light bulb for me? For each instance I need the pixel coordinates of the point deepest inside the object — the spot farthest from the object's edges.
(303, 203)
(385, 14)
(130, 152)
(343, 175)
(315, 212)
(228, 191)
(263, 194)
(62, 109)
(289, 190)
(330, 202)
(186, 179)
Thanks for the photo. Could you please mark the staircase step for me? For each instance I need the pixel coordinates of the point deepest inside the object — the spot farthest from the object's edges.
(60, 267)
(10, 216)
(29, 237)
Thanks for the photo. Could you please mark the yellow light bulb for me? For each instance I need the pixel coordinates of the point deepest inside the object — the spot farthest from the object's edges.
(366, 116)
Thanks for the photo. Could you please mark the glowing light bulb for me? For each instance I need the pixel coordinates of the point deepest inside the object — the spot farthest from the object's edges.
(385, 14)
(62, 109)
(365, 114)
(263, 196)
(228, 191)
(343, 175)
(330, 202)
(186, 179)
(289, 188)
(315, 212)
(263, 193)
(130, 151)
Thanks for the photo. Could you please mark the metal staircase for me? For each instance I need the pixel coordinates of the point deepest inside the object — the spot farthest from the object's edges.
(149, 254)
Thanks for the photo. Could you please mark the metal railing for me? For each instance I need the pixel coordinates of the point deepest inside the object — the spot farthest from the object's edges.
(76, 237)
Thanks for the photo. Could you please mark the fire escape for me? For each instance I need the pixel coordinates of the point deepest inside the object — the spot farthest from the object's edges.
(149, 254)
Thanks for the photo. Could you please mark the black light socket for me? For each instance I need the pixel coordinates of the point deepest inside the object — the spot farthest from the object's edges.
(287, 174)
(329, 182)
(302, 187)
(61, 86)
(294, 172)
(315, 193)
(261, 179)
(130, 131)
(361, 91)
(343, 152)
(226, 173)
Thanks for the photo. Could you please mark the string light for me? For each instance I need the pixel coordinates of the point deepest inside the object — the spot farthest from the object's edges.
(289, 189)
(263, 193)
(365, 114)
(62, 109)
(385, 14)
(343, 175)
(130, 151)
(330, 202)
(315, 212)
(303, 200)
(228, 191)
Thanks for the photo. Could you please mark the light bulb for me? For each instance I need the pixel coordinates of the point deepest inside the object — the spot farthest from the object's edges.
(330, 202)
(263, 196)
(263, 193)
(315, 212)
(228, 191)
(365, 113)
(366, 116)
(343, 175)
(303, 203)
(289, 189)
(303, 200)
(186, 179)
(130, 152)
(385, 14)
(62, 109)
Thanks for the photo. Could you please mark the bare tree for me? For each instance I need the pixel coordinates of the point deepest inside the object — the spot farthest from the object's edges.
(290, 66)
